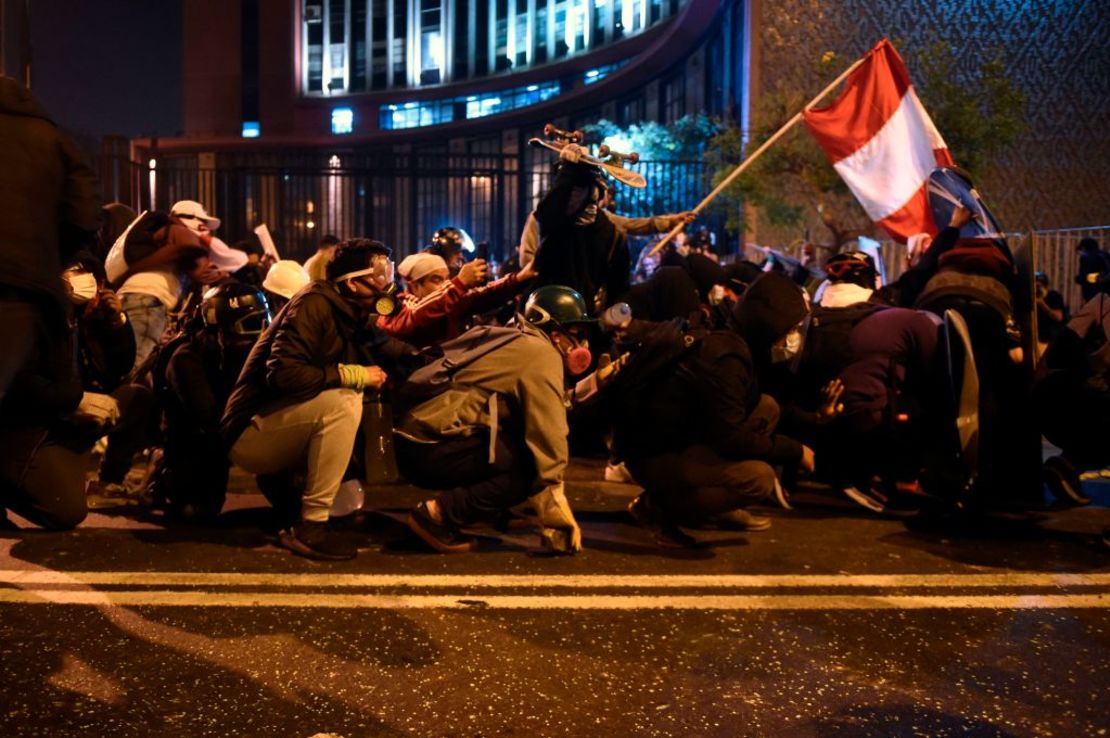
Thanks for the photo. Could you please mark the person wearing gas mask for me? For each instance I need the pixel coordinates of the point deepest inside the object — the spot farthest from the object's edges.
(701, 437)
(493, 431)
(631, 226)
(193, 378)
(436, 306)
(579, 246)
(296, 407)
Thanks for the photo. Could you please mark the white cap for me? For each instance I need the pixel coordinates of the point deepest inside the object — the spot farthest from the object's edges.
(417, 266)
(193, 209)
(286, 278)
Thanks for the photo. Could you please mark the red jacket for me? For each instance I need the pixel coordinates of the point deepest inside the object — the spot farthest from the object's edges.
(442, 315)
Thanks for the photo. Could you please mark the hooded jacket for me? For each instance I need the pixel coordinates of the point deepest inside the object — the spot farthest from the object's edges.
(299, 354)
(709, 395)
(590, 258)
(47, 195)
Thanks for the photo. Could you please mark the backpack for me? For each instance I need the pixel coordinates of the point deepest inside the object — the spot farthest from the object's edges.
(445, 361)
(827, 350)
(667, 344)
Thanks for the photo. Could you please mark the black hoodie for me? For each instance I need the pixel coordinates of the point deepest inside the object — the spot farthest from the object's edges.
(48, 201)
(710, 394)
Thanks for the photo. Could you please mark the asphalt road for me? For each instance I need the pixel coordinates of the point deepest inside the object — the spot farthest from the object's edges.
(833, 623)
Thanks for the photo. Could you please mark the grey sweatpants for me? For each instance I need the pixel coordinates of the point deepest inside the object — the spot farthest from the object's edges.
(317, 435)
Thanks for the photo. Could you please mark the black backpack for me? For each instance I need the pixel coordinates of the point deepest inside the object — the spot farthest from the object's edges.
(827, 350)
(660, 352)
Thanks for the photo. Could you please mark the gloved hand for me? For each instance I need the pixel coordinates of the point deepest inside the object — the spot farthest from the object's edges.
(572, 153)
(559, 531)
(97, 408)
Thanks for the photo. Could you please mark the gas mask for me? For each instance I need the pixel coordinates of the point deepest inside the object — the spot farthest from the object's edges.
(586, 214)
(577, 358)
(788, 348)
(379, 278)
(82, 287)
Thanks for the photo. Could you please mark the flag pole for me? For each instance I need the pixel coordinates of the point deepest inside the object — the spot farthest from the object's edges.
(759, 152)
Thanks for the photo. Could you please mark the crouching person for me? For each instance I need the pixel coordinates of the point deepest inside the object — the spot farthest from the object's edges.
(487, 424)
(699, 435)
(297, 405)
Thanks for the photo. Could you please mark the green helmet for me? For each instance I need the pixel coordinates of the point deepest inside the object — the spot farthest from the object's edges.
(554, 305)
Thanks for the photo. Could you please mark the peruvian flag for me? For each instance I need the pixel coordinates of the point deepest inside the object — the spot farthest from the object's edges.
(882, 142)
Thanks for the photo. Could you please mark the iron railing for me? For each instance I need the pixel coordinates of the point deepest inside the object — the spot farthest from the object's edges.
(398, 198)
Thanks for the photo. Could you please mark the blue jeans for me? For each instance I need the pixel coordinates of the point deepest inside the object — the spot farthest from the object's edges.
(147, 316)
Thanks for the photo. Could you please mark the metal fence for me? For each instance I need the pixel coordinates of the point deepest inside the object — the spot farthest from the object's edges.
(1057, 258)
(399, 198)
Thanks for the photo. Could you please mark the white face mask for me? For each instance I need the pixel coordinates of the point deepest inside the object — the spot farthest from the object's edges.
(82, 286)
(789, 348)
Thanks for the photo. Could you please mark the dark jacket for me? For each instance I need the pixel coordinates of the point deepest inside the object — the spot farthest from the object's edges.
(588, 258)
(47, 195)
(105, 352)
(298, 356)
(1096, 263)
(708, 397)
(893, 350)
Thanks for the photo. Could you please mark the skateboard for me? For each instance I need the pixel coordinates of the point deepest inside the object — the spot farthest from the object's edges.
(611, 161)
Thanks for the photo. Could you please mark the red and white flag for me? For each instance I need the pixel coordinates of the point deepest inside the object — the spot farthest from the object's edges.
(882, 143)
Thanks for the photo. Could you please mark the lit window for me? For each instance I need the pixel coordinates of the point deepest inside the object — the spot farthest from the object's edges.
(251, 129)
(342, 120)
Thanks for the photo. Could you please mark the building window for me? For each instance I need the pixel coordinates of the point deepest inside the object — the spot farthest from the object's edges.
(674, 98)
(435, 112)
(352, 46)
(342, 121)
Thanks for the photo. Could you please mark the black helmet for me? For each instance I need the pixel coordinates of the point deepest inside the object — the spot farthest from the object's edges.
(855, 267)
(236, 309)
(450, 240)
(554, 306)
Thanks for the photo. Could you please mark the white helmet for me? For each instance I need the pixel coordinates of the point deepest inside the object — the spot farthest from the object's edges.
(286, 278)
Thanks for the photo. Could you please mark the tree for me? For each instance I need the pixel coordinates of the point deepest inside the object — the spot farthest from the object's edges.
(979, 113)
(672, 160)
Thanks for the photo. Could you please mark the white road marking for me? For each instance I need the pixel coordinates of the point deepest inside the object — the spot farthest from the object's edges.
(555, 602)
(575, 581)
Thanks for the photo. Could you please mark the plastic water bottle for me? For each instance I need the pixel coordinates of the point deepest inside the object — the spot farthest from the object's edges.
(616, 316)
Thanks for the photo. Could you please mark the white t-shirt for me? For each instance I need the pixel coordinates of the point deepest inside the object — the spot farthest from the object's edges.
(165, 284)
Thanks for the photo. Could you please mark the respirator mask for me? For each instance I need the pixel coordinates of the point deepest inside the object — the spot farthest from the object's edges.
(82, 287)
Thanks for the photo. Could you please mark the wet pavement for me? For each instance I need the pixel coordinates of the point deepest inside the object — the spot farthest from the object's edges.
(833, 623)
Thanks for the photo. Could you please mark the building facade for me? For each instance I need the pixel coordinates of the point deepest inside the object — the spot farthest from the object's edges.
(395, 117)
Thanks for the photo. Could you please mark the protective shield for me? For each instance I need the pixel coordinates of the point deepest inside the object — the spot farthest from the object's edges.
(963, 383)
(948, 188)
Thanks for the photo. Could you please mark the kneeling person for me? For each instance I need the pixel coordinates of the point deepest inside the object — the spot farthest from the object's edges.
(495, 433)
(298, 403)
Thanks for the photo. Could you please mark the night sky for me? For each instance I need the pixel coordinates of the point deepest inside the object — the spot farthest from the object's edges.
(109, 66)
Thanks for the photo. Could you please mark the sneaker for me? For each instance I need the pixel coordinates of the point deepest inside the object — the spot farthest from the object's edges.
(873, 499)
(1063, 482)
(666, 533)
(107, 495)
(740, 519)
(782, 496)
(618, 473)
(440, 536)
(314, 540)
